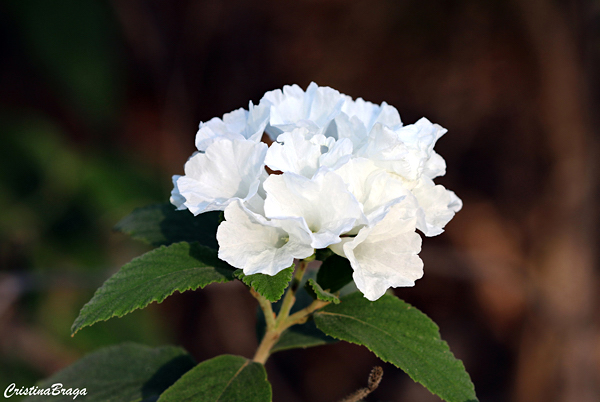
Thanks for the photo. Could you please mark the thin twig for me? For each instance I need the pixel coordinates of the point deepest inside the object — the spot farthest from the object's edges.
(300, 317)
(372, 384)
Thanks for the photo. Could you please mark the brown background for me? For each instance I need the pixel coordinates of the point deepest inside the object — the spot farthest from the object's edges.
(513, 281)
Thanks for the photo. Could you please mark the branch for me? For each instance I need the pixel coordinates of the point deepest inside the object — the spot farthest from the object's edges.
(374, 380)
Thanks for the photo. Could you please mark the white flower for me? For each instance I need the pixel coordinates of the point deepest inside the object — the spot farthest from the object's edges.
(323, 202)
(385, 255)
(369, 113)
(374, 188)
(228, 170)
(296, 154)
(348, 175)
(240, 124)
(349, 128)
(303, 153)
(292, 108)
(437, 206)
(257, 245)
(358, 117)
(406, 151)
(176, 198)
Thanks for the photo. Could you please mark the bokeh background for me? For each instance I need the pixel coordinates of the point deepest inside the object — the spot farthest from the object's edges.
(100, 102)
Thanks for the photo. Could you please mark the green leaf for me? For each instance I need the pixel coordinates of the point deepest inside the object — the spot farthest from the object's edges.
(322, 254)
(302, 336)
(270, 287)
(400, 334)
(151, 278)
(162, 224)
(122, 373)
(317, 291)
(225, 378)
(334, 273)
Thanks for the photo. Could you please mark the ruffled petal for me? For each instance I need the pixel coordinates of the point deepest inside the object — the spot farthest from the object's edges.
(437, 206)
(240, 124)
(350, 128)
(302, 152)
(338, 153)
(293, 108)
(176, 198)
(406, 151)
(257, 245)
(325, 104)
(324, 203)
(294, 153)
(435, 166)
(228, 170)
(386, 255)
(230, 127)
(374, 188)
(369, 113)
(388, 150)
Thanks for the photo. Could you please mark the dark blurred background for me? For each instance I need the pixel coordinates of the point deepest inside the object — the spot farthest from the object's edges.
(100, 102)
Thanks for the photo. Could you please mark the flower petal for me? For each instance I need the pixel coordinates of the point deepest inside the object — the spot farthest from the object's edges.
(257, 245)
(437, 206)
(228, 170)
(375, 188)
(406, 151)
(176, 198)
(386, 255)
(240, 124)
(338, 153)
(296, 154)
(369, 113)
(303, 152)
(293, 108)
(324, 202)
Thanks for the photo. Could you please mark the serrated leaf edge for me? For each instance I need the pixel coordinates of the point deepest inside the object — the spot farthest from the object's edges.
(101, 290)
(322, 294)
(446, 352)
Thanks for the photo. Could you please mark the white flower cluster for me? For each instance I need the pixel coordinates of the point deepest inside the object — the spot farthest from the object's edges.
(345, 174)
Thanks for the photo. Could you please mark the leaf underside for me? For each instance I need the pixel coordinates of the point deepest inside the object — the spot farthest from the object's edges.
(400, 334)
(318, 293)
(162, 224)
(334, 273)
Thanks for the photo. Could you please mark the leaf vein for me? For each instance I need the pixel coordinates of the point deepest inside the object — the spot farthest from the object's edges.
(160, 277)
(231, 379)
(356, 319)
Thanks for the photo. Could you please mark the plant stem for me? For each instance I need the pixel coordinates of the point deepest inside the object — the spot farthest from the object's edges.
(290, 296)
(264, 349)
(266, 307)
(276, 325)
(374, 380)
(300, 317)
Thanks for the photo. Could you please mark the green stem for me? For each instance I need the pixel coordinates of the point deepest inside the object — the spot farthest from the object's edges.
(264, 349)
(266, 307)
(290, 296)
(300, 317)
(276, 325)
